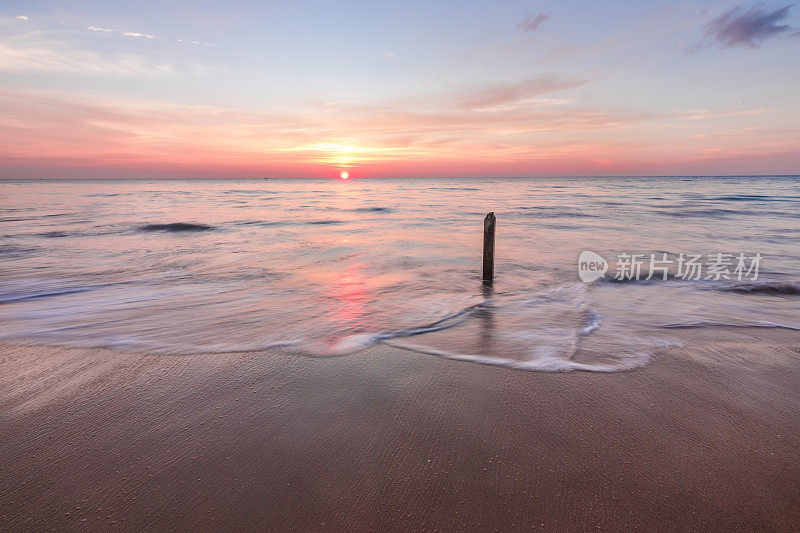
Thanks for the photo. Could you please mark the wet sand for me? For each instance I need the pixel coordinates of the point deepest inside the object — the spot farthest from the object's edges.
(705, 437)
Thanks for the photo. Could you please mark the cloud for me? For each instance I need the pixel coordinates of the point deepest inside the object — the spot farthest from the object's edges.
(532, 22)
(26, 54)
(136, 34)
(512, 93)
(46, 133)
(48, 128)
(747, 28)
(4, 21)
(388, 54)
(142, 35)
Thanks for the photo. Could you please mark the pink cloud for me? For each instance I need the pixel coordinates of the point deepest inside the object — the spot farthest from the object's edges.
(70, 134)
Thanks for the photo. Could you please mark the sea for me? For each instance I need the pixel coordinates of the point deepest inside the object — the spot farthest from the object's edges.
(330, 267)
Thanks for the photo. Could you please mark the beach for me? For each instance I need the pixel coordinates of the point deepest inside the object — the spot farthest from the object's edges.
(705, 437)
(399, 266)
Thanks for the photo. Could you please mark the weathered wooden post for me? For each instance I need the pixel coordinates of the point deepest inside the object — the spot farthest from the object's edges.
(488, 247)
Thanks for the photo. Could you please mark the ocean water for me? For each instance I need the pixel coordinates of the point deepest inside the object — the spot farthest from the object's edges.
(325, 268)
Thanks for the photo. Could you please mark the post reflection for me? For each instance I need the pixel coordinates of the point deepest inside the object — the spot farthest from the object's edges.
(486, 318)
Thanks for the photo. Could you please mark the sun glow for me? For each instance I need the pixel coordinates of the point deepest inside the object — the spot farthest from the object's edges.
(342, 155)
(344, 175)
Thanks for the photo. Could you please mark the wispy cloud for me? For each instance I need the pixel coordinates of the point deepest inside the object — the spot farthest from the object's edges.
(703, 114)
(509, 93)
(532, 22)
(750, 28)
(137, 34)
(125, 33)
(36, 53)
(142, 35)
(9, 20)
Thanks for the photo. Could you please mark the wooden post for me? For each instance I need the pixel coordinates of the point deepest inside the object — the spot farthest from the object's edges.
(488, 247)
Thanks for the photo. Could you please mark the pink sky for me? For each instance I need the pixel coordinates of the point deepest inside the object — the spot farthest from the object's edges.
(532, 96)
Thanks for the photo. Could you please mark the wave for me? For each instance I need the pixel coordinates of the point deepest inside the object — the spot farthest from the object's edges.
(360, 341)
(541, 363)
(642, 279)
(33, 291)
(324, 222)
(593, 321)
(54, 234)
(770, 288)
(551, 212)
(176, 227)
(753, 198)
(689, 213)
(544, 349)
(372, 210)
(547, 329)
(764, 287)
(721, 212)
(8, 250)
(264, 223)
(716, 324)
(17, 219)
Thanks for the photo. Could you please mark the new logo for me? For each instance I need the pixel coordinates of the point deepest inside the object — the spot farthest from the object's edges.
(591, 266)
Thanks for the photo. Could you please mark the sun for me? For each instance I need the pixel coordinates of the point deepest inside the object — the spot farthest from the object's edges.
(344, 175)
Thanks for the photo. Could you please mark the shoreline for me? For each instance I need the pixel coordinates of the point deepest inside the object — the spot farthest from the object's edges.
(704, 437)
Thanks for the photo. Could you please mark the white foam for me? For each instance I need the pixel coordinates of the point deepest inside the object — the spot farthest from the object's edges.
(541, 363)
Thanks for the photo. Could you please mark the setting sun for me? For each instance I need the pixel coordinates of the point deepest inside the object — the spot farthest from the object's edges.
(344, 175)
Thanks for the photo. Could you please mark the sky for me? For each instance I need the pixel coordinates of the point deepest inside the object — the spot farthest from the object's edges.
(103, 89)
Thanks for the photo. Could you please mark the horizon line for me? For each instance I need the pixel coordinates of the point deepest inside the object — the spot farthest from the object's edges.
(575, 176)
